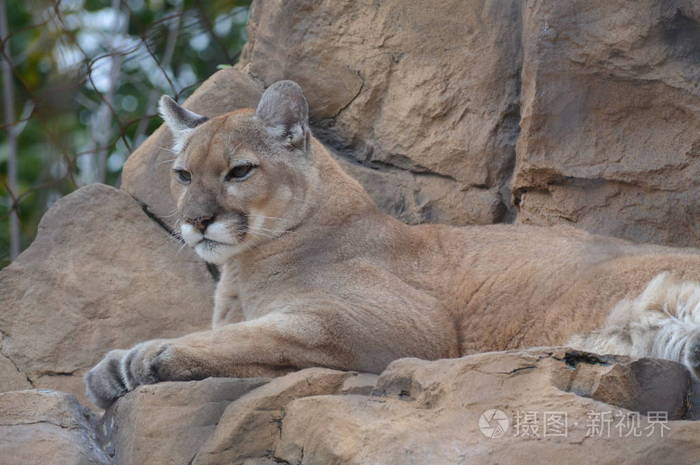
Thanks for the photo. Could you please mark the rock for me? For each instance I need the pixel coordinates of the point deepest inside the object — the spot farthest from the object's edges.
(167, 423)
(100, 275)
(11, 378)
(359, 383)
(428, 99)
(420, 412)
(250, 426)
(46, 427)
(146, 174)
(431, 412)
(610, 137)
(214, 421)
(418, 198)
(642, 385)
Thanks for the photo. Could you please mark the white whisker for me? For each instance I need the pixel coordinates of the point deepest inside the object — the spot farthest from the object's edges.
(268, 217)
(168, 149)
(266, 230)
(184, 244)
(170, 215)
(260, 233)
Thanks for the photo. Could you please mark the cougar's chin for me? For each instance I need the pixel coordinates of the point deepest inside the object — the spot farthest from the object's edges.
(215, 252)
(217, 245)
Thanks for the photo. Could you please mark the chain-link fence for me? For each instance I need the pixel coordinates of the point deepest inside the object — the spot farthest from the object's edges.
(80, 85)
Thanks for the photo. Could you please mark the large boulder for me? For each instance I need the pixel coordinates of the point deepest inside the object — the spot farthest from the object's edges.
(167, 423)
(610, 136)
(40, 427)
(100, 275)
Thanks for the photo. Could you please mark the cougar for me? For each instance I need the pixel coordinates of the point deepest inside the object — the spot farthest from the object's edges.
(314, 274)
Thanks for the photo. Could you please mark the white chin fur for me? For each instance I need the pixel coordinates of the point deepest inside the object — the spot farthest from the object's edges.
(216, 253)
(213, 253)
(190, 235)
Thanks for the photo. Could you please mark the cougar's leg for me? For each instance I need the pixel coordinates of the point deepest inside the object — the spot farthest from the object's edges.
(270, 346)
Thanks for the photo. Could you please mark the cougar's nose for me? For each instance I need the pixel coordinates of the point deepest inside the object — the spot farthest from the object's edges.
(201, 222)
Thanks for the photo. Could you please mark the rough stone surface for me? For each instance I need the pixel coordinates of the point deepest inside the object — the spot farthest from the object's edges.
(610, 123)
(100, 275)
(428, 412)
(146, 174)
(40, 427)
(359, 383)
(641, 385)
(418, 412)
(12, 378)
(167, 423)
(250, 426)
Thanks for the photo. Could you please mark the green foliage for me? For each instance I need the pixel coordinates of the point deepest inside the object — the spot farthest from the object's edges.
(82, 105)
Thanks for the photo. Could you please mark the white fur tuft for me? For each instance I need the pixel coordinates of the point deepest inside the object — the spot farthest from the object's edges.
(661, 322)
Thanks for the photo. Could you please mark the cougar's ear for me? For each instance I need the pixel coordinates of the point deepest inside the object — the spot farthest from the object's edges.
(180, 120)
(285, 113)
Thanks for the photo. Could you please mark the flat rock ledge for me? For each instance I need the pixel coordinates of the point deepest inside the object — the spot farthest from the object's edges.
(543, 405)
(101, 274)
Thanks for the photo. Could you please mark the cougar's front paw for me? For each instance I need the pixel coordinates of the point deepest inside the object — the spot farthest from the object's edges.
(121, 371)
(103, 383)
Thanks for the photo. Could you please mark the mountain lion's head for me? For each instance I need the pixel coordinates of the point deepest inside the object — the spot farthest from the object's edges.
(242, 178)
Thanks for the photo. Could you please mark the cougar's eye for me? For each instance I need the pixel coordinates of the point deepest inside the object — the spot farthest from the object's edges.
(183, 176)
(240, 172)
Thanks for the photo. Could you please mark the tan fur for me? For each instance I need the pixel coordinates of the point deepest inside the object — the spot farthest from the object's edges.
(326, 279)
